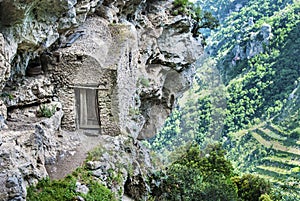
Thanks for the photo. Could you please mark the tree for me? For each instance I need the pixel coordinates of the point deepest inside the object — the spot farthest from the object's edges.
(251, 187)
(201, 19)
(199, 175)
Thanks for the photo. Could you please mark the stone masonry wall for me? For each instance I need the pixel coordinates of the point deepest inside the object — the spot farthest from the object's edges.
(105, 57)
(71, 72)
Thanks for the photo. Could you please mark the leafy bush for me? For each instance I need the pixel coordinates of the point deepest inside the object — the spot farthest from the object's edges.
(251, 187)
(264, 197)
(182, 6)
(144, 82)
(95, 154)
(134, 111)
(45, 190)
(99, 192)
(65, 189)
(8, 95)
(197, 175)
(201, 19)
(46, 111)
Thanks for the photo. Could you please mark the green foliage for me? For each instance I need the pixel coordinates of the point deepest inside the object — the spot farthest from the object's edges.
(201, 19)
(197, 118)
(52, 190)
(134, 111)
(264, 197)
(99, 192)
(211, 162)
(198, 175)
(144, 82)
(65, 189)
(259, 86)
(182, 183)
(185, 126)
(251, 187)
(8, 95)
(166, 137)
(207, 175)
(183, 6)
(46, 111)
(95, 154)
(208, 21)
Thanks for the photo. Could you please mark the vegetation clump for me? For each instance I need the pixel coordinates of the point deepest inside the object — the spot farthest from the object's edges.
(207, 175)
(65, 189)
(145, 82)
(7, 95)
(252, 188)
(46, 111)
(202, 19)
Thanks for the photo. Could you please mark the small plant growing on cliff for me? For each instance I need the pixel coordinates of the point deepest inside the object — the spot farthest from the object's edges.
(144, 82)
(182, 7)
(201, 19)
(7, 95)
(46, 111)
(95, 154)
(134, 111)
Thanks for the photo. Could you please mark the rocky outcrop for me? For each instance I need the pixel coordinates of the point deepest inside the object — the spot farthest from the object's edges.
(123, 166)
(256, 43)
(114, 66)
(259, 41)
(27, 148)
(4, 61)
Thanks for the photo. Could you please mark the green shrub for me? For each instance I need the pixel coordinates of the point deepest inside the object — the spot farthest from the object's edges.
(264, 197)
(202, 19)
(95, 154)
(182, 5)
(134, 111)
(99, 192)
(251, 187)
(197, 175)
(65, 189)
(46, 111)
(144, 82)
(8, 95)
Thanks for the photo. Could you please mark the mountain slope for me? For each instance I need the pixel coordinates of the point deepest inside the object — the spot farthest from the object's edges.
(246, 92)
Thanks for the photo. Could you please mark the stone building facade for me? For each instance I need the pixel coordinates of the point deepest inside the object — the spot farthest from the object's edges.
(90, 77)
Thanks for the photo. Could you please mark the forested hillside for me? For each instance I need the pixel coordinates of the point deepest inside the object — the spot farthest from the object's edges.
(246, 93)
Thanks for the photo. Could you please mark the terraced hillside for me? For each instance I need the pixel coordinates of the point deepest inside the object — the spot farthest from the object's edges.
(247, 92)
(270, 153)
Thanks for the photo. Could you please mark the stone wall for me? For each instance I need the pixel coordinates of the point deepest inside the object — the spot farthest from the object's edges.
(70, 73)
(100, 58)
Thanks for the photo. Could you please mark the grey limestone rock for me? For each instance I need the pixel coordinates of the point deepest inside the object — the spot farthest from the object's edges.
(256, 43)
(81, 188)
(133, 57)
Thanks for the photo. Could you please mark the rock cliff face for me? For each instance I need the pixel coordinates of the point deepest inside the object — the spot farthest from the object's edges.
(256, 43)
(106, 67)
